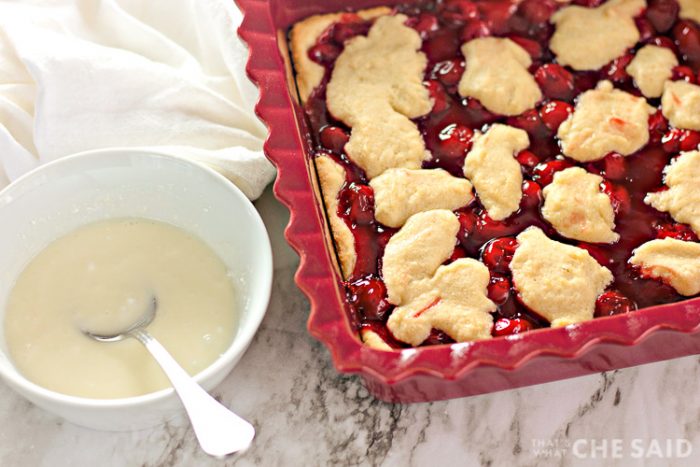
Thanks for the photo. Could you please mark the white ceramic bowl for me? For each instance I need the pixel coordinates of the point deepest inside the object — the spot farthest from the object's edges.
(63, 195)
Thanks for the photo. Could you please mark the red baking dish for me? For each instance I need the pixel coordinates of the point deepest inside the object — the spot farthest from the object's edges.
(438, 372)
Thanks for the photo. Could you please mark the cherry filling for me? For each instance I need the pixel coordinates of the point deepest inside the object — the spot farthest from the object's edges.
(613, 303)
(368, 296)
(449, 130)
(499, 288)
(498, 253)
(662, 14)
(453, 143)
(506, 326)
(556, 82)
(544, 173)
(687, 37)
(334, 138)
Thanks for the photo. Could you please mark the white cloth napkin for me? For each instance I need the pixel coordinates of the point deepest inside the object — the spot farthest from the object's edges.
(77, 75)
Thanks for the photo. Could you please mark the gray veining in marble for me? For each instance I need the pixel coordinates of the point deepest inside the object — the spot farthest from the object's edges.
(307, 414)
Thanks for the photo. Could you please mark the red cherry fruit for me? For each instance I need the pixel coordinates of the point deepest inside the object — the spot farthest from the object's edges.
(543, 173)
(324, 53)
(459, 11)
(532, 195)
(588, 3)
(596, 252)
(531, 47)
(509, 326)
(619, 196)
(613, 303)
(663, 41)
(530, 121)
(441, 45)
(614, 166)
(528, 160)
(368, 296)
(677, 231)
(657, 126)
(424, 24)
(646, 29)
(510, 308)
(449, 72)
(455, 140)
(616, 71)
(334, 138)
(498, 254)
(683, 73)
(366, 246)
(437, 95)
(476, 113)
(594, 167)
(690, 140)
(680, 140)
(341, 32)
(437, 337)
(671, 140)
(662, 14)
(497, 15)
(553, 113)
(474, 30)
(556, 82)
(457, 253)
(489, 228)
(467, 225)
(356, 202)
(585, 80)
(687, 35)
(498, 289)
(536, 11)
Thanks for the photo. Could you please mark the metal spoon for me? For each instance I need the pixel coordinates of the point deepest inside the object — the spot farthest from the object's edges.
(218, 430)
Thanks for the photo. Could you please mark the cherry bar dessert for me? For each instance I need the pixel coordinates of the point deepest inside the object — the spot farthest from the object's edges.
(493, 167)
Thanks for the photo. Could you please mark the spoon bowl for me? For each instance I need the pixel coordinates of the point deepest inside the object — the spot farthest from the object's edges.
(146, 319)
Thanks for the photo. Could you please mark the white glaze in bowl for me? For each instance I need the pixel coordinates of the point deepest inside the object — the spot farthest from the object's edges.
(63, 195)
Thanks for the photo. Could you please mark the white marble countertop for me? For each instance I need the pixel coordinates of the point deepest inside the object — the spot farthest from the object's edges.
(307, 414)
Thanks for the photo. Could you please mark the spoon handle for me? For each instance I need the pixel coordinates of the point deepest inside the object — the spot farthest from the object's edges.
(218, 430)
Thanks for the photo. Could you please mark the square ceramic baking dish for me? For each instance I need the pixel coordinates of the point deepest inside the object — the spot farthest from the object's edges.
(437, 372)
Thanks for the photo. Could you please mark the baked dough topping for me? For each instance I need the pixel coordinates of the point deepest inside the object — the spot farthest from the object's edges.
(589, 38)
(605, 120)
(682, 199)
(497, 75)
(451, 298)
(690, 9)
(376, 88)
(494, 171)
(651, 68)
(401, 193)
(681, 104)
(559, 282)
(415, 252)
(374, 340)
(304, 35)
(673, 261)
(577, 209)
(455, 302)
(331, 177)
